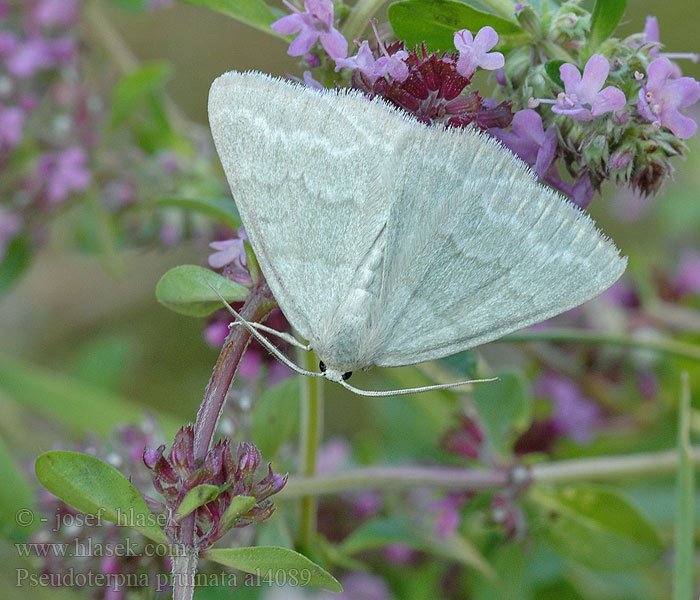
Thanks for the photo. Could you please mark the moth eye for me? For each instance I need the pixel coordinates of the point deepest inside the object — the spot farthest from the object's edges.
(322, 366)
(347, 375)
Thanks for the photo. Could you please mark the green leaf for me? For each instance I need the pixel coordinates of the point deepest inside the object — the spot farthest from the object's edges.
(76, 404)
(17, 258)
(552, 69)
(505, 408)
(251, 12)
(185, 290)
(278, 565)
(435, 22)
(685, 501)
(379, 533)
(196, 497)
(595, 526)
(16, 499)
(606, 17)
(253, 265)
(97, 488)
(517, 585)
(221, 209)
(276, 417)
(136, 88)
(240, 505)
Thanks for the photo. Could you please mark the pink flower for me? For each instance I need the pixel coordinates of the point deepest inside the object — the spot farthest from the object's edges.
(215, 333)
(662, 98)
(29, 57)
(64, 172)
(308, 80)
(528, 140)
(687, 280)
(8, 43)
(474, 51)
(12, 121)
(231, 254)
(315, 23)
(25, 59)
(62, 13)
(448, 515)
(573, 415)
(583, 99)
(651, 34)
(311, 82)
(374, 68)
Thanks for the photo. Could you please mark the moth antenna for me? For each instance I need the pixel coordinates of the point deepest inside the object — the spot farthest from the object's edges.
(415, 390)
(290, 339)
(271, 348)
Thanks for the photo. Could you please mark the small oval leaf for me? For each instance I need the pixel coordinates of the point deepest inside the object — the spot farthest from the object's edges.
(436, 21)
(595, 526)
(551, 67)
(251, 12)
(196, 497)
(262, 560)
(607, 15)
(184, 289)
(17, 259)
(97, 488)
(239, 506)
(135, 88)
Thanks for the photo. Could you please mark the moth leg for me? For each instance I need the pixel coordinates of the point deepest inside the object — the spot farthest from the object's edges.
(262, 339)
(290, 339)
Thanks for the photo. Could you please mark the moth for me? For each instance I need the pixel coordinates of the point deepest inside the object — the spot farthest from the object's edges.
(388, 242)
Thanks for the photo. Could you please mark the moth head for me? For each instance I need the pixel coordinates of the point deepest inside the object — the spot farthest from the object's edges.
(333, 374)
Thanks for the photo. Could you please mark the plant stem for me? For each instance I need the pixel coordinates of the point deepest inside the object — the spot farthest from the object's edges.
(258, 304)
(359, 18)
(310, 434)
(661, 345)
(685, 505)
(602, 468)
(183, 573)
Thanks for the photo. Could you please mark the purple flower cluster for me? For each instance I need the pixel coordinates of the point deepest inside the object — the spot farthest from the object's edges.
(429, 86)
(55, 147)
(36, 44)
(178, 472)
(315, 23)
(592, 132)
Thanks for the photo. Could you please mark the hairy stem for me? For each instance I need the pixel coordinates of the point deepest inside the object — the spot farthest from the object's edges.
(602, 468)
(183, 573)
(661, 345)
(310, 434)
(256, 308)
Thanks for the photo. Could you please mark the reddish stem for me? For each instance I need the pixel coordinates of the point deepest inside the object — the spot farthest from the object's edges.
(257, 306)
